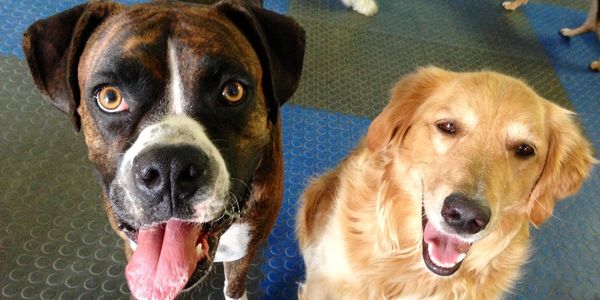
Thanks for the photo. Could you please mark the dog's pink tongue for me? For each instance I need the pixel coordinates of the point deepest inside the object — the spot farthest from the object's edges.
(444, 249)
(163, 261)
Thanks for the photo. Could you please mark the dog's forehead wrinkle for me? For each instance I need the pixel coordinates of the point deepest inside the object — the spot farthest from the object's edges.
(125, 32)
(208, 33)
(142, 28)
(146, 32)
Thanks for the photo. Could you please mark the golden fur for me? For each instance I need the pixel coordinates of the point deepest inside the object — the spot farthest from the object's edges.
(360, 226)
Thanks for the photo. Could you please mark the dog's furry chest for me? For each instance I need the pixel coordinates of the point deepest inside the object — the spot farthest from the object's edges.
(331, 255)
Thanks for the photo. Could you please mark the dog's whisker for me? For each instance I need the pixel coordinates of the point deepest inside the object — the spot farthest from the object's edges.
(231, 211)
(236, 209)
(551, 213)
(242, 182)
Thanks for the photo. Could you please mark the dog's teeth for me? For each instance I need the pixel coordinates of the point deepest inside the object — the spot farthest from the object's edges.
(461, 257)
(429, 251)
(199, 249)
(132, 245)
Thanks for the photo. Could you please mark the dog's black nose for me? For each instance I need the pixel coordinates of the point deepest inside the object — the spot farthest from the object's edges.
(167, 175)
(465, 215)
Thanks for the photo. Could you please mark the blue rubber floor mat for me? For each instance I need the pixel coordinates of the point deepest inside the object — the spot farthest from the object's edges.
(279, 6)
(16, 16)
(570, 59)
(55, 242)
(313, 141)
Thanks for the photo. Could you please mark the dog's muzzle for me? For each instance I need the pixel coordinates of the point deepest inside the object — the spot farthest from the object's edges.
(170, 192)
(444, 251)
(173, 170)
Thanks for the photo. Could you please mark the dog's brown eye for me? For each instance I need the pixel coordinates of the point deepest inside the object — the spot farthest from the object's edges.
(525, 150)
(110, 99)
(233, 92)
(447, 127)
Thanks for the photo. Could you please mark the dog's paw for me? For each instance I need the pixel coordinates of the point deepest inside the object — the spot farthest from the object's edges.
(364, 7)
(244, 297)
(595, 66)
(513, 5)
(566, 32)
(347, 3)
(508, 5)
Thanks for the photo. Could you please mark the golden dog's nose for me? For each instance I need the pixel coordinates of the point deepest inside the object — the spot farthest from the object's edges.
(465, 215)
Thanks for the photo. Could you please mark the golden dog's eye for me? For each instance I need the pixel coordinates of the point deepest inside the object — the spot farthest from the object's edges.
(233, 92)
(110, 99)
(447, 127)
(525, 150)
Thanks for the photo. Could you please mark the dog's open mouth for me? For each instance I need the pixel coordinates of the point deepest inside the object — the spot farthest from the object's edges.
(442, 253)
(169, 257)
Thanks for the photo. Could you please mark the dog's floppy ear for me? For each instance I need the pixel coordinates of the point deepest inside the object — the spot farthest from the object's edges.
(568, 163)
(52, 48)
(406, 97)
(279, 43)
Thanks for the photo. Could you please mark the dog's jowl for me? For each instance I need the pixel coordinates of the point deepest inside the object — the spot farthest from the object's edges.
(179, 105)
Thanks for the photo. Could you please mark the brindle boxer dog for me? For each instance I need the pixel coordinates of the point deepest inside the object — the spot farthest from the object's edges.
(179, 104)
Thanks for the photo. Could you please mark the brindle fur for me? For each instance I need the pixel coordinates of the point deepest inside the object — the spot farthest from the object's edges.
(65, 53)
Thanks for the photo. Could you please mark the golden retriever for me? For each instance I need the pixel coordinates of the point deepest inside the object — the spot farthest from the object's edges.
(435, 202)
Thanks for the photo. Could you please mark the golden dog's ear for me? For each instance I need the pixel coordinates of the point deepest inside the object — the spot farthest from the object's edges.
(406, 97)
(568, 163)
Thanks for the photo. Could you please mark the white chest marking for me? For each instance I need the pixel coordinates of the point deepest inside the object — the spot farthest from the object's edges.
(234, 243)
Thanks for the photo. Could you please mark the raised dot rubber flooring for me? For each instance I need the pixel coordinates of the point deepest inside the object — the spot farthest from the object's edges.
(55, 241)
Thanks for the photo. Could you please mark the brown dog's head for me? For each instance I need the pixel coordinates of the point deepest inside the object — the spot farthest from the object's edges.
(481, 152)
(179, 104)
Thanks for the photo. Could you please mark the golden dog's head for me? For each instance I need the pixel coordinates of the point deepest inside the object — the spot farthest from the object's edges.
(481, 152)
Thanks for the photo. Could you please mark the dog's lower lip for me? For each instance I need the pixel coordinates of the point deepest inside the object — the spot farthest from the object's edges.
(129, 231)
(204, 264)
